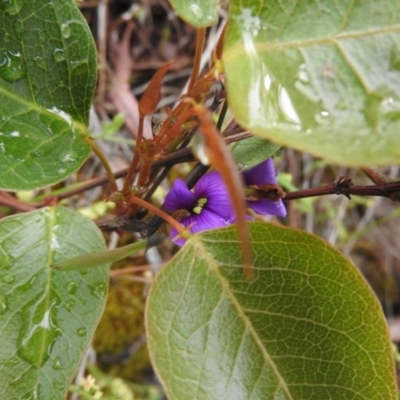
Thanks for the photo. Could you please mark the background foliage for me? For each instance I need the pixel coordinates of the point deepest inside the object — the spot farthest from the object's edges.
(315, 76)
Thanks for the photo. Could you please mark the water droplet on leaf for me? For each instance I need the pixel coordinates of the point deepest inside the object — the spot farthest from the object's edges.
(41, 35)
(57, 364)
(302, 74)
(39, 331)
(68, 158)
(58, 55)
(72, 287)
(18, 27)
(323, 118)
(81, 332)
(39, 61)
(69, 305)
(65, 30)
(3, 303)
(12, 67)
(65, 116)
(196, 10)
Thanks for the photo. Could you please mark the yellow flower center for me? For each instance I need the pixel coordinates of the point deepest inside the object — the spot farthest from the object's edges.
(200, 204)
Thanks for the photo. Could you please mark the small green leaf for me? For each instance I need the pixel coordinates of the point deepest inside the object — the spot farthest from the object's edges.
(93, 260)
(250, 152)
(47, 317)
(307, 327)
(47, 80)
(319, 76)
(199, 13)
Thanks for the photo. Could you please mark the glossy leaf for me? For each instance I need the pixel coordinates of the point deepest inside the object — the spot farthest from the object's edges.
(319, 76)
(253, 151)
(47, 317)
(199, 13)
(307, 327)
(47, 79)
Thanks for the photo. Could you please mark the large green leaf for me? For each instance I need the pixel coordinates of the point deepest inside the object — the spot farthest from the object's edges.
(47, 79)
(320, 76)
(307, 327)
(47, 317)
(200, 13)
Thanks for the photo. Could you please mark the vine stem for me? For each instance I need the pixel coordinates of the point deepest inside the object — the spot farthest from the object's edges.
(162, 214)
(345, 188)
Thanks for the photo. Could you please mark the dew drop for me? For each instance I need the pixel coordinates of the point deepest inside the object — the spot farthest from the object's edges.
(39, 331)
(381, 113)
(41, 35)
(302, 74)
(69, 305)
(18, 27)
(39, 61)
(68, 158)
(65, 30)
(74, 64)
(8, 279)
(58, 55)
(81, 331)
(388, 113)
(3, 303)
(196, 10)
(11, 7)
(6, 37)
(323, 118)
(12, 67)
(99, 290)
(65, 116)
(15, 134)
(57, 364)
(72, 287)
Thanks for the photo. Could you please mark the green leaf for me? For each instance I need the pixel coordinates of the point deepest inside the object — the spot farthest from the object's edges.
(199, 13)
(47, 80)
(47, 317)
(253, 151)
(319, 76)
(93, 260)
(307, 327)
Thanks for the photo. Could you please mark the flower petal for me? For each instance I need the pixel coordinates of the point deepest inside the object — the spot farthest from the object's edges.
(264, 174)
(270, 207)
(201, 222)
(179, 197)
(212, 187)
(261, 174)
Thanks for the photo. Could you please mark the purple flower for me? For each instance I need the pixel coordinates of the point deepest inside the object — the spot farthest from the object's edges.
(208, 206)
(264, 174)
